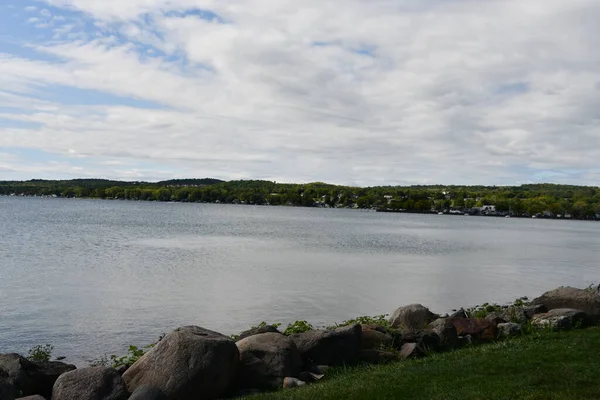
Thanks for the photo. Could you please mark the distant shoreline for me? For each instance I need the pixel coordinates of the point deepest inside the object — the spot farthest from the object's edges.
(383, 210)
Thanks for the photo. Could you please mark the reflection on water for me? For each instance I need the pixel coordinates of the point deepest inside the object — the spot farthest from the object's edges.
(95, 276)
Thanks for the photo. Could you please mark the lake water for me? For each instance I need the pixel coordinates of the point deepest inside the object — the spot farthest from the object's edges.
(92, 277)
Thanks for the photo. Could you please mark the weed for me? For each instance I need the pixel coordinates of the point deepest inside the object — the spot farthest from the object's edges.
(297, 327)
(41, 353)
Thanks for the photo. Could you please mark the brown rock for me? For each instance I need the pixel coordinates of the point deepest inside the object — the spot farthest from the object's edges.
(290, 382)
(374, 338)
(97, 383)
(479, 329)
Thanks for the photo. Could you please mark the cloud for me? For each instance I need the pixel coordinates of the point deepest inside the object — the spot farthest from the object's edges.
(350, 92)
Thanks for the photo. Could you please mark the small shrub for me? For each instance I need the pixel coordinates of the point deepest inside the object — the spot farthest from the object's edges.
(297, 327)
(483, 310)
(380, 320)
(134, 353)
(41, 353)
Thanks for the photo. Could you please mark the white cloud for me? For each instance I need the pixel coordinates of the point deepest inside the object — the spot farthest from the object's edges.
(351, 92)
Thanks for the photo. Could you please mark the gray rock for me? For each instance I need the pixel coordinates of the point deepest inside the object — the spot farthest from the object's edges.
(95, 383)
(459, 314)
(187, 363)
(530, 311)
(509, 329)
(411, 350)
(497, 318)
(330, 347)
(320, 369)
(413, 317)
(34, 397)
(560, 319)
(257, 331)
(446, 331)
(569, 297)
(30, 378)
(148, 393)
(266, 359)
(290, 382)
(7, 390)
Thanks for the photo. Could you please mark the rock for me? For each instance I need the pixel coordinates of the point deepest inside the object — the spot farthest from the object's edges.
(374, 338)
(446, 332)
(459, 314)
(95, 383)
(34, 397)
(413, 317)
(530, 311)
(509, 329)
(330, 347)
(375, 356)
(257, 330)
(560, 319)
(479, 329)
(148, 393)
(187, 363)
(266, 359)
(121, 369)
(30, 378)
(320, 369)
(309, 377)
(411, 350)
(290, 382)
(573, 298)
(7, 390)
(496, 318)
(425, 339)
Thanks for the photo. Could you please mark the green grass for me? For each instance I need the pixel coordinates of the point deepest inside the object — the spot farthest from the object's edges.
(560, 365)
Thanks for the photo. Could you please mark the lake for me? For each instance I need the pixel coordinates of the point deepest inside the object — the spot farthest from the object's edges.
(92, 276)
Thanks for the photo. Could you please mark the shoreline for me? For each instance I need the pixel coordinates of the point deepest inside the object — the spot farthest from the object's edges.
(267, 356)
(379, 210)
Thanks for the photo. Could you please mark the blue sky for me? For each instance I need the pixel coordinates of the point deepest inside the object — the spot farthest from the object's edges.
(354, 92)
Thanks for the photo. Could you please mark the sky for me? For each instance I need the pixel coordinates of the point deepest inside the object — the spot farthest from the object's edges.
(358, 92)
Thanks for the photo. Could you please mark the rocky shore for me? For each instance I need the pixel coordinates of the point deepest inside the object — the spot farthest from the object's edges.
(193, 363)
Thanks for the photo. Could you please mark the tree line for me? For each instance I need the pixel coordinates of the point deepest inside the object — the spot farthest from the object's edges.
(582, 202)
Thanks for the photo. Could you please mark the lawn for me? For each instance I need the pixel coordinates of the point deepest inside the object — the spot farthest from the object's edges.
(559, 365)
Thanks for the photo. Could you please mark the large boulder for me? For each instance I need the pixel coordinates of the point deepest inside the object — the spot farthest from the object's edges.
(479, 329)
(147, 393)
(413, 317)
(446, 332)
(7, 390)
(330, 347)
(266, 359)
(375, 337)
(560, 318)
(188, 363)
(95, 383)
(587, 300)
(30, 378)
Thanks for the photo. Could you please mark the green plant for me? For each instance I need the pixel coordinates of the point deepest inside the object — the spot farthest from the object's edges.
(481, 311)
(297, 327)
(380, 320)
(134, 353)
(41, 353)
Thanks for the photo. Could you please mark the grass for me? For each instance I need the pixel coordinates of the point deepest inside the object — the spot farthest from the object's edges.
(545, 365)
